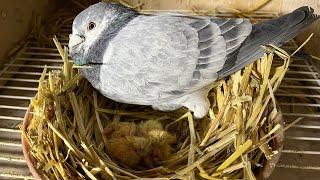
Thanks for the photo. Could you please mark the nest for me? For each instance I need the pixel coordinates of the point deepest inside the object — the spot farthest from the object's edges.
(73, 132)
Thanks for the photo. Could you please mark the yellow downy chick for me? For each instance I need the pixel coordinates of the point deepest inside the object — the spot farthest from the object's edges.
(162, 140)
(142, 145)
(129, 143)
(120, 129)
(147, 126)
(123, 150)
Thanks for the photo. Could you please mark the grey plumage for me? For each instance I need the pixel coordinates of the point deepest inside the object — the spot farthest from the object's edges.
(274, 31)
(168, 60)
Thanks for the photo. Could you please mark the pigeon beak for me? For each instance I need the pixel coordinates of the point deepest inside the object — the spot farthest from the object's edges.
(75, 40)
(75, 50)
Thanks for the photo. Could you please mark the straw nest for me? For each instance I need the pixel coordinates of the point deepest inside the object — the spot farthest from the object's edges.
(75, 133)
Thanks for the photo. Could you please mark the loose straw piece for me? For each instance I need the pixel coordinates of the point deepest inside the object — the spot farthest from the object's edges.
(70, 146)
(274, 129)
(218, 147)
(95, 103)
(273, 98)
(213, 125)
(301, 46)
(229, 169)
(82, 67)
(242, 148)
(192, 143)
(277, 134)
(88, 173)
(315, 57)
(78, 116)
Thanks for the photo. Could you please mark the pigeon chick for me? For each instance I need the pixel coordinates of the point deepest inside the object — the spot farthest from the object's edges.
(160, 142)
(169, 60)
(120, 129)
(147, 146)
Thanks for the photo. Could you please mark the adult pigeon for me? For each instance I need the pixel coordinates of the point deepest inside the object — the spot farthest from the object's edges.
(169, 60)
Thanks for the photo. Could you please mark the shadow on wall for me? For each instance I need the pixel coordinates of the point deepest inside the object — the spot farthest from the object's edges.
(16, 19)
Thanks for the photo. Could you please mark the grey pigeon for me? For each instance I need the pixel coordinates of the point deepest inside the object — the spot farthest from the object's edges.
(169, 60)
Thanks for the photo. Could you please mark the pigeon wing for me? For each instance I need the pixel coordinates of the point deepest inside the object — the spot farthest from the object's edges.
(163, 57)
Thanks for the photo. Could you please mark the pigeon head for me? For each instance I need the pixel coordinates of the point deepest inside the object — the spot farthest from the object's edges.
(93, 28)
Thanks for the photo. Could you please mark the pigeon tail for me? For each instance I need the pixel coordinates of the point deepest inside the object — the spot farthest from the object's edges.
(274, 31)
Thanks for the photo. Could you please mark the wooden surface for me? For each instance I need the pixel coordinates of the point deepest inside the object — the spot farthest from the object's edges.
(16, 20)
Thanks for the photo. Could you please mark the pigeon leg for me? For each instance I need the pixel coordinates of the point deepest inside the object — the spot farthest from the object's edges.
(198, 103)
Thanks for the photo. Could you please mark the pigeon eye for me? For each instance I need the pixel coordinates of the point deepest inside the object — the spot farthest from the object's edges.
(91, 25)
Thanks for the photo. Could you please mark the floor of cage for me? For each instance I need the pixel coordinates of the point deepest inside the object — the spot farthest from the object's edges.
(298, 96)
